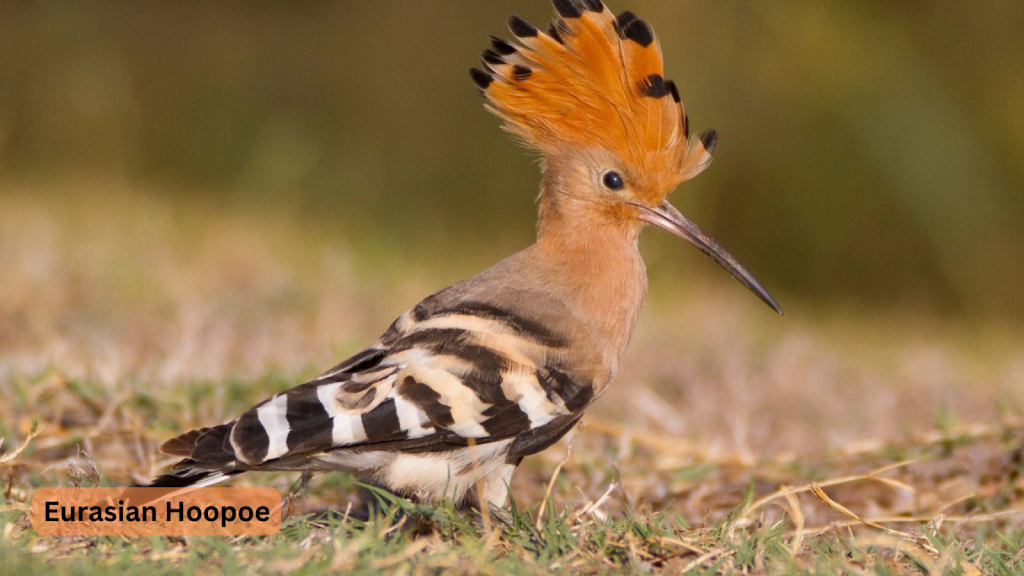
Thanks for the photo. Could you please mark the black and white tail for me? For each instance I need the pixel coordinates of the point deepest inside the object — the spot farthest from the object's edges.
(191, 478)
(201, 465)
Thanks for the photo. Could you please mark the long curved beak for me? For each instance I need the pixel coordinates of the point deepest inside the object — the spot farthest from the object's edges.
(666, 216)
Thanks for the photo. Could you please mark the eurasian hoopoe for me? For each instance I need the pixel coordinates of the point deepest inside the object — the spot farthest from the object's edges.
(500, 366)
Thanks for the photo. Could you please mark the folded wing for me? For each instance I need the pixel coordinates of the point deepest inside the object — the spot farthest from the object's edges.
(442, 377)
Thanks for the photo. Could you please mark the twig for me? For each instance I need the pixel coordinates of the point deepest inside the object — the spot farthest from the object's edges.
(797, 514)
(817, 491)
(904, 519)
(717, 552)
(593, 506)
(7, 459)
(873, 475)
(681, 544)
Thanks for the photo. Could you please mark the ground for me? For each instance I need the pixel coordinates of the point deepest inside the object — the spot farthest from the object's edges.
(836, 439)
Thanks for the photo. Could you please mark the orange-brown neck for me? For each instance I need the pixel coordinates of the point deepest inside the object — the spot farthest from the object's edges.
(594, 261)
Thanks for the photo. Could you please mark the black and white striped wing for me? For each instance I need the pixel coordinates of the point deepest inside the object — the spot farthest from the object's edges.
(439, 378)
(320, 415)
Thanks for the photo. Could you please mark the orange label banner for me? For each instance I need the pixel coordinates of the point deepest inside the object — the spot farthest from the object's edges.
(156, 511)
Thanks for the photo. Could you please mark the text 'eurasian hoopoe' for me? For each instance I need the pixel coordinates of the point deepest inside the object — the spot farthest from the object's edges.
(500, 366)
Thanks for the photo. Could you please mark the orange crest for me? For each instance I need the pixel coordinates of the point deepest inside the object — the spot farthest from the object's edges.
(593, 79)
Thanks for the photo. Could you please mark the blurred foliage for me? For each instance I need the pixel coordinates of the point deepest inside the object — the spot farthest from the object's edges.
(871, 152)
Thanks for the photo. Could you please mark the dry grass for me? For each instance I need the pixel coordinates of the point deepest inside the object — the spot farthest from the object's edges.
(732, 442)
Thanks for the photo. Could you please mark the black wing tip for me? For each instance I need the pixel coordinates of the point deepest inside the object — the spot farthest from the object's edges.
(182, 479)
(186, 477)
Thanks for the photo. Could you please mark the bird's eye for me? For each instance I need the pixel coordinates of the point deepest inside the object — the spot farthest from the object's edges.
(613, 181)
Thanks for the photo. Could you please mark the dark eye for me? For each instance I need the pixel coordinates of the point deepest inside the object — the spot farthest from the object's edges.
(613, 181)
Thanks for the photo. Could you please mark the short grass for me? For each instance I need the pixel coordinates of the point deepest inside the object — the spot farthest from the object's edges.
(832, 441)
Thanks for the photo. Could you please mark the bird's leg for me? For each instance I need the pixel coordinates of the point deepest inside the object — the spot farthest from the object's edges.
(493, 490)
(491, 496)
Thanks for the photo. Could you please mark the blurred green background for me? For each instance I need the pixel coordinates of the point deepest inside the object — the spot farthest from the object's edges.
(871, 153)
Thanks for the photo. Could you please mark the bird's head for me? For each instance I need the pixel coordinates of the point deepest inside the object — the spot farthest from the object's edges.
(590, 94)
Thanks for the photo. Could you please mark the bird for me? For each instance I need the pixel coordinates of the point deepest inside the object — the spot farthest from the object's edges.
(474, 378)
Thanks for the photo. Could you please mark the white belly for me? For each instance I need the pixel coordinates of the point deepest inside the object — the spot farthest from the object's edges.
(432, 476)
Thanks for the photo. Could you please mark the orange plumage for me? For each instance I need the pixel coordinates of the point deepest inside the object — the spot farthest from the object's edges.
(594, 79)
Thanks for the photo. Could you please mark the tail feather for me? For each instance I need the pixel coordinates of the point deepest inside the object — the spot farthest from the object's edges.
(208, 458)
(176, 482)
(189, 477)
(182, 445)
(202, 445)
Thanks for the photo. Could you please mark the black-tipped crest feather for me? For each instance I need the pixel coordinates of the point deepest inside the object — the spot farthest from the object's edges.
(568, 8)
(673, 90)
(555, 33)
(521, 28)
(502, 47)
(639, 31)
(491, 57)
(520, 72)
(622, 21)
(710, 139)
(653, 86)
(480, 78)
